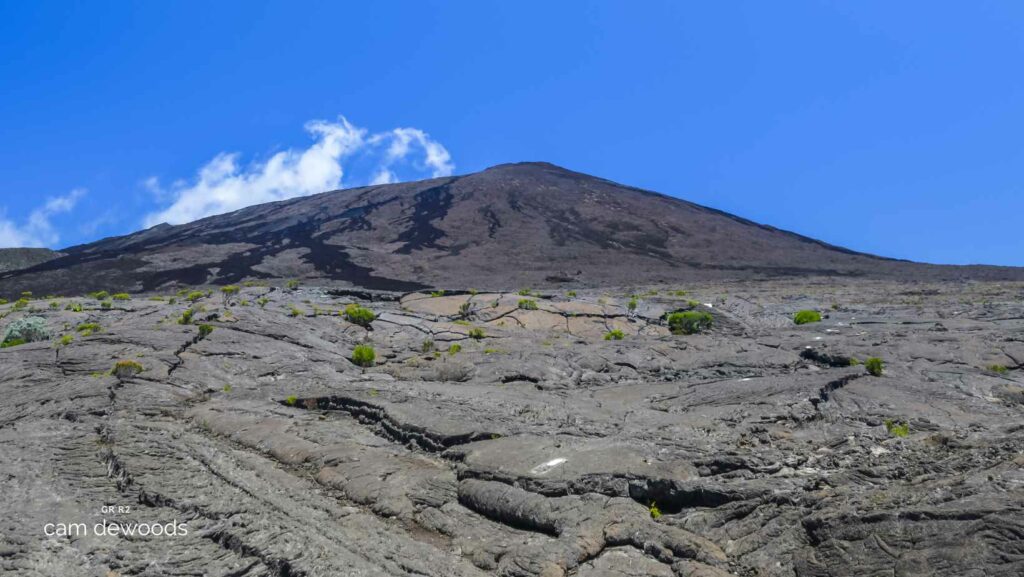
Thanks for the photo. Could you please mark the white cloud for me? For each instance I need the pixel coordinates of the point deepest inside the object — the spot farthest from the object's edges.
(222, 185)
(37, 229)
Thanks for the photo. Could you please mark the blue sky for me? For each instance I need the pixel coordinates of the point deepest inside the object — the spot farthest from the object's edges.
(887, 127)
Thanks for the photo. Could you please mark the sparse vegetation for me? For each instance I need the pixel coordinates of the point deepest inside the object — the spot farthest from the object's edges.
(3, 302)
(295, 312)
(897, 429)
(689, 322)
(67, 339)
(20, 303)
(292, 284)
(998, 369)
(524, 292)
(205, 330)
(363, 355)
(875, 366)
(427, 346)
(454, 348)
(226, 388)
(106, 305)
(527, 304)
(806, 316)
(126, 369)
(571, 294)
(435, 294)
(358, 315)
(86, 329)
(194, 296)
(25, 330)
(100, 295)
(476, 333)
(614, 335)
(74, 307)
(654, 510)
(291, 400)
(466, 310)
(632, 304)
(186, 317)
(121, 297)
(262, 301)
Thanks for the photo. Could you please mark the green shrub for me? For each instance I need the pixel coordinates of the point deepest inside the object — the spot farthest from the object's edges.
(476, 333)
(226, 388)
(86, 329)
(194, 296)
(524, 292)
(126, 369)
(527, 304)
(105, 305)
(427, 346)
(262, 301)
(291, 400)
(11, 343)
(228, 292)
(26, 330)
(121, 297)
(632, 304)
(67, 339)
(897, 429)
(100, 295)
(454, 348)
(296, 311)
(875, 366)
(205, 330)
(54, 305)
(570, 294)
(807, 316)
(363, 355)
(654, 510)
(614, 335)
(292, 284)
(3, 302)
(689, 322)
(186, 317)
(998, 369)
(466, 310)
(439, 293)
(20, 303)
(358, 315)
(74, 307)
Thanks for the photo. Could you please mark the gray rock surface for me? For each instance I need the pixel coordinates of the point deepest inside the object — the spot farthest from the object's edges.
(540, 449)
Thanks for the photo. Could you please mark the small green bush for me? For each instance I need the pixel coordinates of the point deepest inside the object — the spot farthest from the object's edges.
(126, 369)
(570, 294)
(121, 297)
(262, 301)
(654, 510)
(3, 302)
(20, 303)
(67, 339)
(11, 343)
(100, 295)
(427, 346)
(358, 315)
(524, 292)
(527, 304)
(807, 316)
(897, 429)
(228, 292)
(476, 333)
(631, 306)
(26, 330)
(292, 284)
(194, 296)
(205, 330)
(74, 307)
(998, 369)
(86, 329)
(454, 348)
(105, 305)
(435, 294)
(614, 335)
(689, 322)
(295, 312)
(466, 310)
(186, 317)
(875, 366)
(363, 355)
(291, 400)
(54, 305)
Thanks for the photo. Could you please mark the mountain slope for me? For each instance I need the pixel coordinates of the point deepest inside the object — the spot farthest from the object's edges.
(527, 224)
